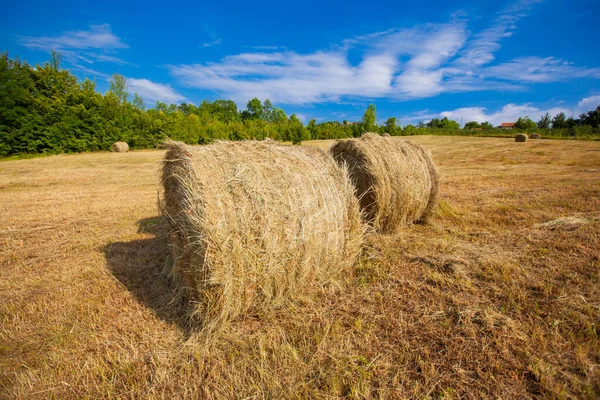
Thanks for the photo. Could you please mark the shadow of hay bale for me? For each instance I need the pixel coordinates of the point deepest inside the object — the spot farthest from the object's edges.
(140, 264)
(153, 226)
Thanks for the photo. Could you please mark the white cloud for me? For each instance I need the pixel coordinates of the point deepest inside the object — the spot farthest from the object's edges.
(293, 78)
(213, 43)
(480, 49)
(508, 113)
(537, 69)
(81, 47)
(112, 59)
(589, 103)
(289, 77)
(398, 64)
(152, 92)
(97, 37)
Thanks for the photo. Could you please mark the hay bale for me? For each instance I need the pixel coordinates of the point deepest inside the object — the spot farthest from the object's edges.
(570, 223)
(534, 136)
(386, 135)
(120, 147)
(521, 137)
(255, 225)
(268, 139)
(396, 181)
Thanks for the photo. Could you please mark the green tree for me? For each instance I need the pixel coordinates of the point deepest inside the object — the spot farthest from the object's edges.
(434, 123)
(56, 58)
(391, 126)
(544, 122)
(472, 125)
(118, 86)
(559, 121)
(591, 118)
(369, 118)
(525, 124)
(296, 130)
(312, 129)
(138, 102)
(254, 110)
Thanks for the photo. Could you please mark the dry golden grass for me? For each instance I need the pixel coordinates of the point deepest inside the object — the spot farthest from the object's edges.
(481, 303)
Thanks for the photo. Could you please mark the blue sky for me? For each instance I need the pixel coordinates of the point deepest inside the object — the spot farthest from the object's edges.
(468, 60)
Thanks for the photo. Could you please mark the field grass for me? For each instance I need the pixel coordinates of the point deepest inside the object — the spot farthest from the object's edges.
(483, 302)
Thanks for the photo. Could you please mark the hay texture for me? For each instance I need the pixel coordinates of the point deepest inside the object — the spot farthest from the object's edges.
(521, 137)
(535, 136)
(120, 147)
(255, 225)
(396, 181)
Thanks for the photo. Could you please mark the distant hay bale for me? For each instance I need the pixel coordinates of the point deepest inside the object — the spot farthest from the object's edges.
(570, 223)
(521, 137)
(255, 225)
(534, 136)
(120, 147)
(396, 181)
(268, 139)
(386, 135)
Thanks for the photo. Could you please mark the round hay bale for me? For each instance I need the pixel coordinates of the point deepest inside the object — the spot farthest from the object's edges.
(120, 147)
(386, 135)
(396, 181)
(255, 225)
(521, 137)
(268, 139)
(534, 136)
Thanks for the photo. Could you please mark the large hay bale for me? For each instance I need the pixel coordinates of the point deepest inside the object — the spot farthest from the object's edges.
(386, 134)
(534, 136)
(521, 137)
(120, 147)
(255, 225)
(396, 181)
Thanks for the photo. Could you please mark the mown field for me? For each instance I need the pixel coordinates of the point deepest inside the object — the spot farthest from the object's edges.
(483, 302)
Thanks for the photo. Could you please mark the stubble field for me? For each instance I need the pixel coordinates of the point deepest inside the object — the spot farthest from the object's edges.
(484, 302)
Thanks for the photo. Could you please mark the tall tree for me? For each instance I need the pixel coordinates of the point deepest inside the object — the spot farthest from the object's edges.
(544, 122)
(296, 129)
(55, 59)
(525, 124)
(391, 126)
(254, 109)
(118, 86)
(369, 118)
(138, 102)
(559, 121)
(471, 125)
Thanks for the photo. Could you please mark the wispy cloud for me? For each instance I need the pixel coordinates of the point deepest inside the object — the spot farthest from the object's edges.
(481, 48)
(589, 103)
(97, 37)
(152, 92)
(538, 69)
(398, 64)
(508, 113)
(112, 59)
(213, 43)
(97, 44)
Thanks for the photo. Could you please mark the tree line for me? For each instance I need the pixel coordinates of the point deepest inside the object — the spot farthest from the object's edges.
(46, 109)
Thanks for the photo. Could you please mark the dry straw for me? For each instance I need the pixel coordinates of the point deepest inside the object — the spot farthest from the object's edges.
(521, 137)
(120, 147)
(255, 225)
(396, 181)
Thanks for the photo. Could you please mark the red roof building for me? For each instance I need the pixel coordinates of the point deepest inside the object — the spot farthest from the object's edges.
(507, 125)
